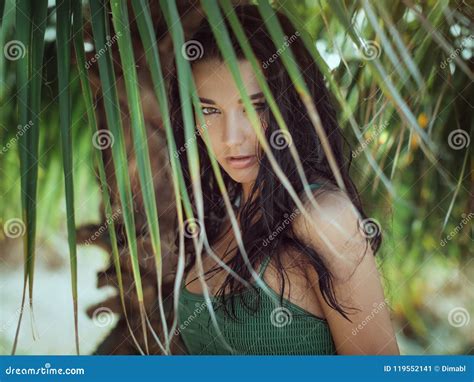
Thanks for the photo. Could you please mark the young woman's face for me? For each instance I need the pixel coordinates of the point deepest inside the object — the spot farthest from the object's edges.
(231, 134)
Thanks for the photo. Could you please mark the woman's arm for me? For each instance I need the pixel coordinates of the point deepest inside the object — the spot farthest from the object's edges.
(356, 278)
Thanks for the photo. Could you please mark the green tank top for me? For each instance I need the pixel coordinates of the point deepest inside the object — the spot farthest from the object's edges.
(273, 329)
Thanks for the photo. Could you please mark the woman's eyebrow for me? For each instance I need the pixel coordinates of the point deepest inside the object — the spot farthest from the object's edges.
(211, 102)
(254, 96)
(207, 100)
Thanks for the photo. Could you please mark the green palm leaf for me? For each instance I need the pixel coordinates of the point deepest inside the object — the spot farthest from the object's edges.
(87, 94)
(63, 39)
(29, 75)
(112, 109)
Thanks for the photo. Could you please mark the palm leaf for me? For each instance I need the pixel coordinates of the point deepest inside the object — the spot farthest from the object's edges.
(382, 76)
(120, 20)
(63, 39)
(87, 94)
(404, 52)
(112, 108)
(347, 111)
(29, 74)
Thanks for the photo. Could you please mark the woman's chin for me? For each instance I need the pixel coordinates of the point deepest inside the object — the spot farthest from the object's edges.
(243, 175)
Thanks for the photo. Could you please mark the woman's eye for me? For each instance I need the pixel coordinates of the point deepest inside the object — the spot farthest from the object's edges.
(207, 110)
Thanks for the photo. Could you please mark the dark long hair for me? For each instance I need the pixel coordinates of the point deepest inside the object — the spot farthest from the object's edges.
(267, 194)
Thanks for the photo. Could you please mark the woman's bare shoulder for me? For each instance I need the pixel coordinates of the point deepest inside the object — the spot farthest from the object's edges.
(331, 225)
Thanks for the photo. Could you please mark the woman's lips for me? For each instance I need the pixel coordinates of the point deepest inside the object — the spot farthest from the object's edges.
(240, 162)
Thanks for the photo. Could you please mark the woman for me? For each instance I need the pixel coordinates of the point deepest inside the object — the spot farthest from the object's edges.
(318, 266)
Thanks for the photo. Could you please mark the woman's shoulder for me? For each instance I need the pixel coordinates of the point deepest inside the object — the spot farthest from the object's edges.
(330, 223)
(327, 203)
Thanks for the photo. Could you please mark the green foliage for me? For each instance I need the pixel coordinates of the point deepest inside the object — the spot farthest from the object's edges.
(401, 75)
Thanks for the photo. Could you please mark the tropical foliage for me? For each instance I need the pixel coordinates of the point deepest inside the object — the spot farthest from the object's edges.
(84, 121)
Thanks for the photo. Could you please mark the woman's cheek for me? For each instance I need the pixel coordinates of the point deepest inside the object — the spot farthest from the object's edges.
(216, 146)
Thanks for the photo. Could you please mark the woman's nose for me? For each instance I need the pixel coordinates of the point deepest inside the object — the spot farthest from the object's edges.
(237, 128)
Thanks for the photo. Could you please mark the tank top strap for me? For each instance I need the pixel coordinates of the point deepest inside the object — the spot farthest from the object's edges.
(264, 265)
(314, 186)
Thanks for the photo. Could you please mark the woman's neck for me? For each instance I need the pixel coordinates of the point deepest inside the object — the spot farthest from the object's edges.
(244, 199)
(246, 188)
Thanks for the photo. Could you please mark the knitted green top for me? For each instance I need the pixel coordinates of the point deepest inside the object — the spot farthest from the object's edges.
(273, 329)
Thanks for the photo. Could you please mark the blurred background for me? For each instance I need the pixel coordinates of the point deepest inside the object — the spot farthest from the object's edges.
(412, 71)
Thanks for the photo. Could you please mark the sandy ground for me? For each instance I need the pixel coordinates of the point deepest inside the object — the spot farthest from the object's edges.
(53, 312)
